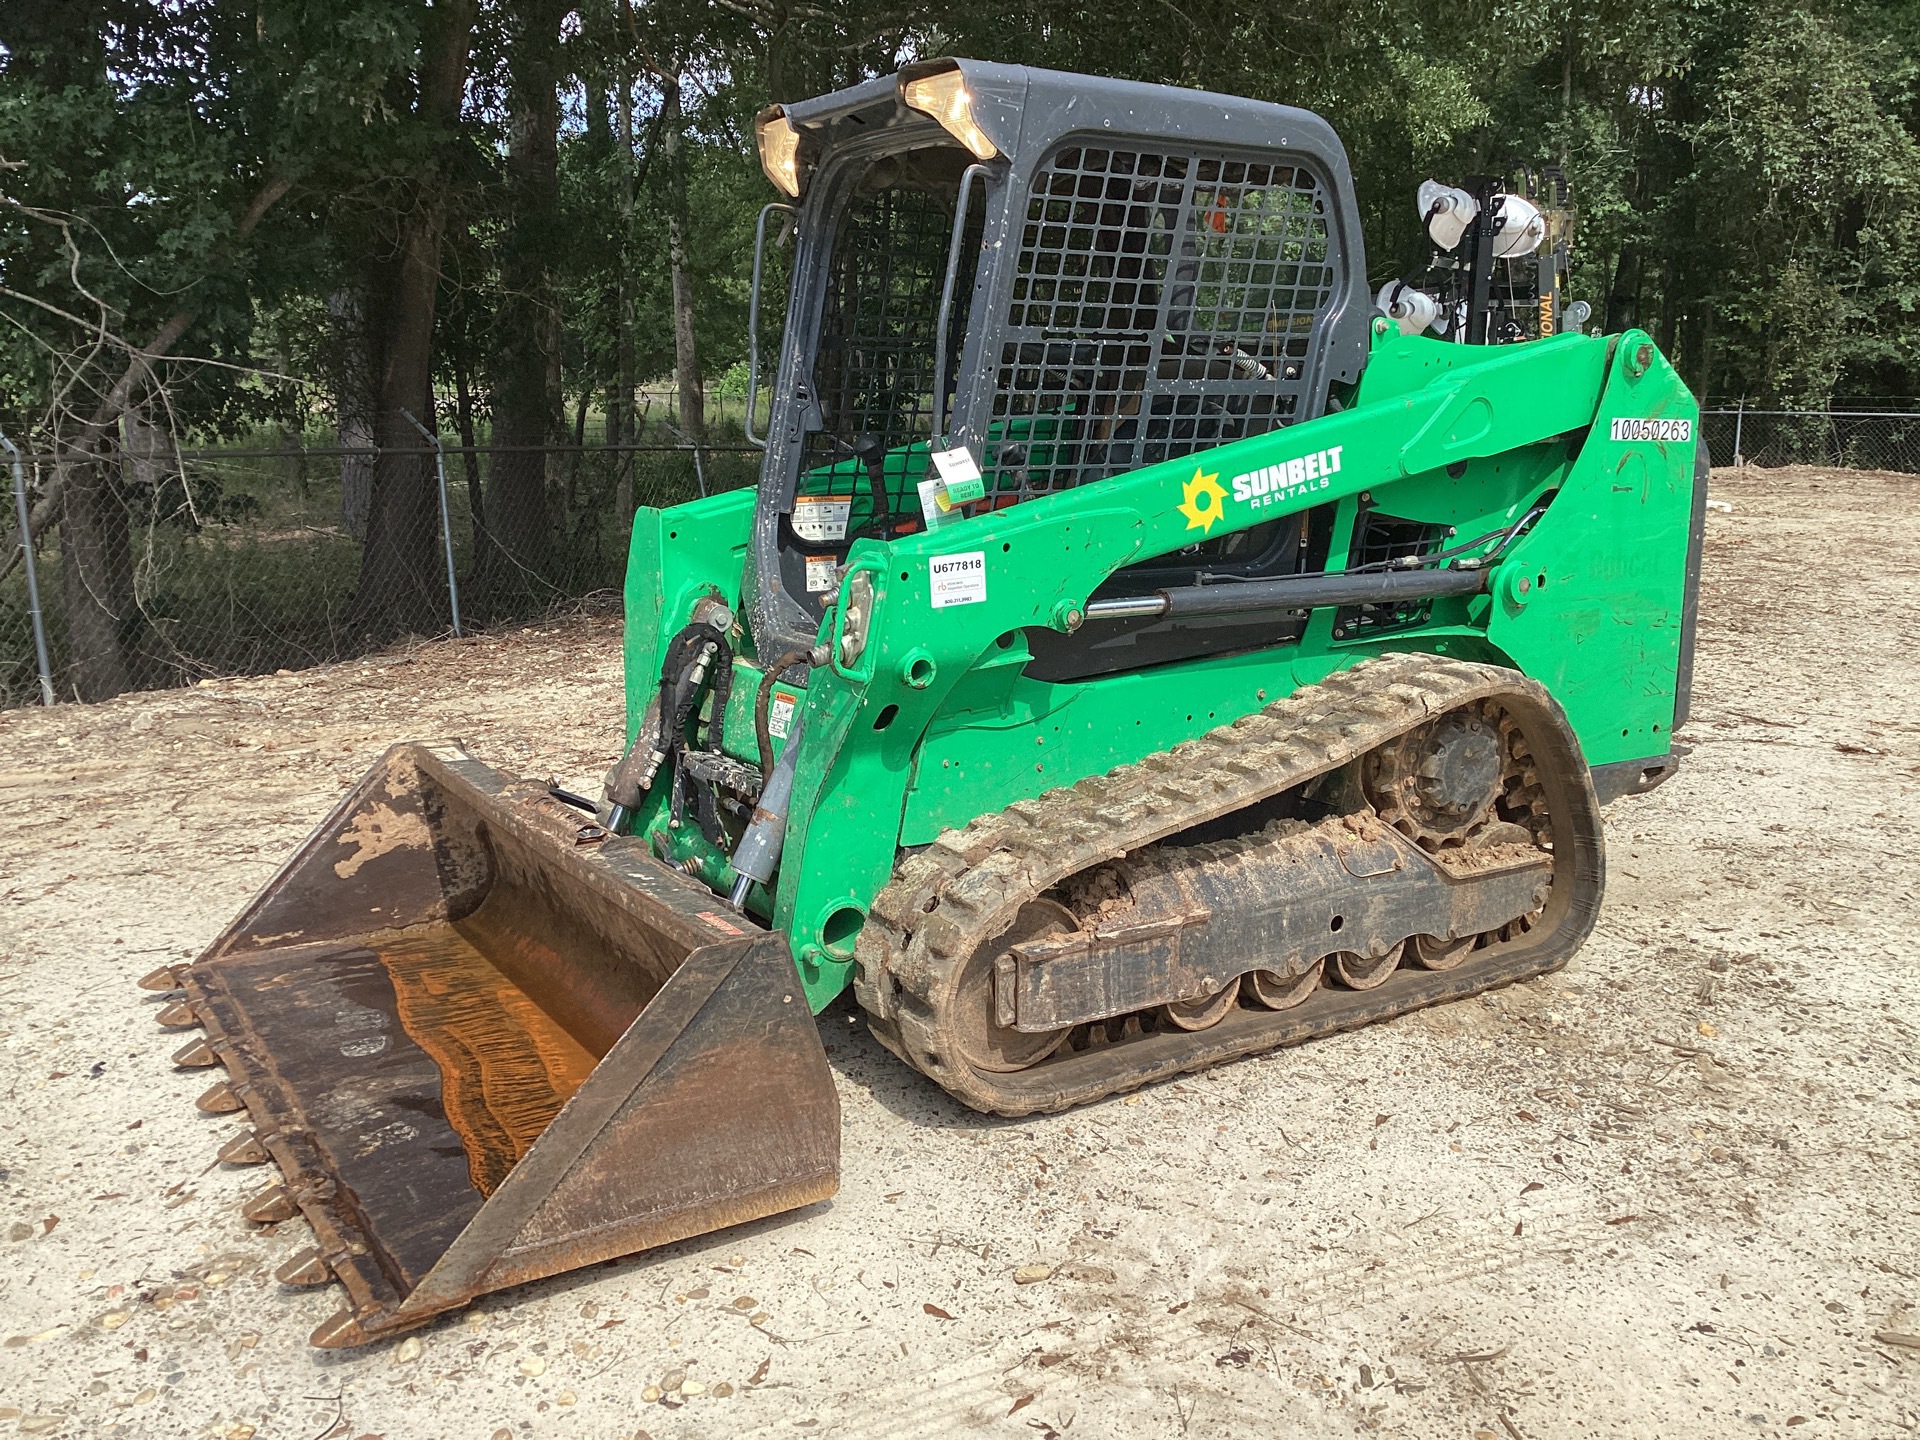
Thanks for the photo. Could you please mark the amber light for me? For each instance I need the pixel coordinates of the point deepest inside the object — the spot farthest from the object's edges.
(779, 146)
(946, 99)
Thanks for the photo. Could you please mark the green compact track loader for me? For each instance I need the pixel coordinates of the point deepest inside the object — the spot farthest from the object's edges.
(1138, 653)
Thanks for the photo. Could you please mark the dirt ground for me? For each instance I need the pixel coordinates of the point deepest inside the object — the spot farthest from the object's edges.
(1672, 1191)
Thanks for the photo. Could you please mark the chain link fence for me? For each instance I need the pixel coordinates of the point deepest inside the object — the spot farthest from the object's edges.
(1851, 439)
(245, 560)
(168, 566)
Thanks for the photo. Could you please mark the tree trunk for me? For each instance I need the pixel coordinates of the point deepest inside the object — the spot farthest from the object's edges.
(526, 399)
(579, 455)
(620, 427)
(1623, 296)
(148, 448)
(400, 587)
(686, 358)
(469, 452)
(96, 579)
(1697, 366)
(1669, 307)
(355, 378)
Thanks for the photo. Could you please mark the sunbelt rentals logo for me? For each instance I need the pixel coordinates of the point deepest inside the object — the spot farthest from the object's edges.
(1203, 501)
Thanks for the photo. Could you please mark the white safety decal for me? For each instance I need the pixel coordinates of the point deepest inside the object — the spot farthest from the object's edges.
(823, 573)
(956, 466)
(958, 579)
(780, 716)
(822, 519)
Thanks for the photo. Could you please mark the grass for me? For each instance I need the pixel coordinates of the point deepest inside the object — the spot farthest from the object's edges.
(266, 580)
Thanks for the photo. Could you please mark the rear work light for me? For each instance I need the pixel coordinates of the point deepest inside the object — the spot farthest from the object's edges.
(945, 98)
(779, 146)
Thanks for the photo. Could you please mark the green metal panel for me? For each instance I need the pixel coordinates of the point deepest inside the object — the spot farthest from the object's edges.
(676, 556)
(1590, 602)
(935, 723)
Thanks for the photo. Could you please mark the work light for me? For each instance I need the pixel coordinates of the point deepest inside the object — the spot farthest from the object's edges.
(945, 98)
(779, 146)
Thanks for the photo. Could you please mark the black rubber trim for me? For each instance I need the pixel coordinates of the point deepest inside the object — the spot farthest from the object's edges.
(1632, 777)
(1690, 605)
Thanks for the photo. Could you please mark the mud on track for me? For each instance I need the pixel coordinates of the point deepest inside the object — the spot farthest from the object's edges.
(1671, 1191)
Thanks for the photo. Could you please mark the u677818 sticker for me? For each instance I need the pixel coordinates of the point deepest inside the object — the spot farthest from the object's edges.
(958, 579)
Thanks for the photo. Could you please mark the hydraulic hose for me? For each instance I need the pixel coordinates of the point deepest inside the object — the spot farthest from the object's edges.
(662, 728)
(762, 701)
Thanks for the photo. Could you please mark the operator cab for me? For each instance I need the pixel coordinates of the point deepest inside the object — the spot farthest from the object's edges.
(1047, 280)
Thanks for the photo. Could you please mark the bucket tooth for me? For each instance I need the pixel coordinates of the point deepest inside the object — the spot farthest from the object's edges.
(305, 1270)
(244, 1149)
(270, 1206)
(195, 1055)
(342, 1332)
(219, 1100)
(176, 1016)
(167, 977)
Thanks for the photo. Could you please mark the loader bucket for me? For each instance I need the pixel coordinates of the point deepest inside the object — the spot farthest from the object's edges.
(485, 1042)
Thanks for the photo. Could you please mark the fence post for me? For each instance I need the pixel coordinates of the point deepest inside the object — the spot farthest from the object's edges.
(446, 524)
(699, 470)
(1739, 423)
(33, 579)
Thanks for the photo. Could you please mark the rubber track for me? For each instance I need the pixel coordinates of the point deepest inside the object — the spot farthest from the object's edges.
(967, 887)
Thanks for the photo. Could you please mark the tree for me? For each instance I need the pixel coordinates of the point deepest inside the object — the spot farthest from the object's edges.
(399, 587)
(527, 329)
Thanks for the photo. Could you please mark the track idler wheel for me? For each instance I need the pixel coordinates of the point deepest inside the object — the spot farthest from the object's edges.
(986, 1044)
(1438, 782)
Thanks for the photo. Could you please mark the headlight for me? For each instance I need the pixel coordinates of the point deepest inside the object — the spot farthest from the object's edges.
(1523, 231)
(945, 98)
(1446, 211)
(779, 146)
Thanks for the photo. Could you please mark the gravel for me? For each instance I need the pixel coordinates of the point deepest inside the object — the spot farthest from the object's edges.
(1671, 1190)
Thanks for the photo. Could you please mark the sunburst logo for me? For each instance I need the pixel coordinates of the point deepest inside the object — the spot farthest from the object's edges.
(1203, 501)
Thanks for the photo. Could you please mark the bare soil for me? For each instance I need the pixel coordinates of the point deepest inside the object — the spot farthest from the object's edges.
(1670, 1191)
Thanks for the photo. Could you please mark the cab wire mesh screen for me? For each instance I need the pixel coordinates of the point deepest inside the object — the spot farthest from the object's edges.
(873, 372)
(1162, 303)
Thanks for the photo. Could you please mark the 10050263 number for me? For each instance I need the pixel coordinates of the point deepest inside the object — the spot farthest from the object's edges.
(1643, 429)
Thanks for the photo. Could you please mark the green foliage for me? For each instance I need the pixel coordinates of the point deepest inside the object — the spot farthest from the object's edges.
(1748, 177)
(733, 384)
